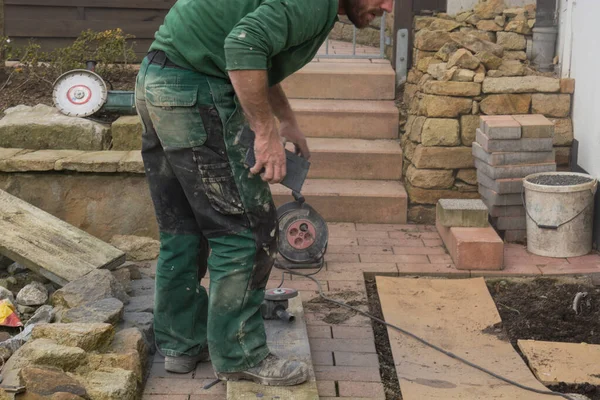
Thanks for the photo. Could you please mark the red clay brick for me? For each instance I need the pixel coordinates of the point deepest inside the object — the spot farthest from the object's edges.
(440, 259)
(387, 227)
(394, 258)
(414, 235)
(433, 242)
(448, 270)
(314, 318)
(352, 345)
(391, 242)
(345, 332)
(536, 260)
(362, 234)
(173, 386)
(341, 226)
(569, 269)
(334, 275)
(366, 374)
(361, 389)
(341, 257)
(589, 259)
(347, 359)
(343, 241)
(322, 332)
(322, 358)
(326, 388)
(512, 270)
(359, 249)
(362, 267)
(419, 250)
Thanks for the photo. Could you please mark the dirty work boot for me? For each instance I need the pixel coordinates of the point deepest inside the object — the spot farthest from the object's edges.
(272, 371)
(184, 364)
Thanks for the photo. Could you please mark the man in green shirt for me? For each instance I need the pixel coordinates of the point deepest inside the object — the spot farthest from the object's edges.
(211, 76)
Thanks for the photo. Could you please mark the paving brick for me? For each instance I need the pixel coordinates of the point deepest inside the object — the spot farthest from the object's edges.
(394, 258)
(511, 223)
(158, 371)
(340, 226)
(322, 358)
(513, 157)
(303, 284)
(513, 171)
(388, 227)
(420, 250)
(341, 257)
(535, 126)
(534, 260)
(322, 332)
(317, 319)
(337, 241)
(358, 286)
(473, 248)
(589, 259)
(165, 397)
(443, 270)
(359, 374)
(500, 186)
(347, 359)
(526, 144)
(362, 389)
(440, 259)
(392, 242)
(510, 270)
(433, 242)
(352, 345)
(207, 397)
(344, 332)
(462, 213)
(204, 371)
(365, 266)
(501, 128)
(359, 249)
(570, 269)
(326, 388)
(414, 235)
(171, 386)
(495, 199)
(361, 234)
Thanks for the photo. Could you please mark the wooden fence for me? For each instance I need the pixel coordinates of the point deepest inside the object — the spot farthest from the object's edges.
(56, 23)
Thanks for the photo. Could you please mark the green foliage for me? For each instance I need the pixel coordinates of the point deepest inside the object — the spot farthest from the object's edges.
(110, 49)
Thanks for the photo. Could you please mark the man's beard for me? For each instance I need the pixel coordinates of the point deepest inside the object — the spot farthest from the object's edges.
(353, 12)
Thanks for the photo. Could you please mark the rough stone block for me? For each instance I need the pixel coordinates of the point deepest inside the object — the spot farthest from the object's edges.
(473, 248)
(431, 196)
(502, 104)
(567, 85)
(511, 223)
(513, 171)
(552, 105)
(563, 156)
(6, 154)
(42, 160)
(460, 89)
(525, 84)
(468, 127)
(476, 44)
(535, 126)
(440, 132)
(463, 75)
(489, 25)
(127, 133)
(468, 176)
(512, 158)
(462, 213)
(515, 55)
(501, 186)
(132, 162)
(442, 157)
(444, 106)
(430, 178)
(97, 161)
(463, 59)
(431, 40)
(563, 131)
(502, 146)
(43, 127)
(511, 41)
(504, 127)
(496, 199)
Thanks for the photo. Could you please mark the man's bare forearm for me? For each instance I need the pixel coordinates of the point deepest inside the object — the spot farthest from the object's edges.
(280, 105)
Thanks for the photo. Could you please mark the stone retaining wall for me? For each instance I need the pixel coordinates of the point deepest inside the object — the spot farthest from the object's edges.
(464, 67)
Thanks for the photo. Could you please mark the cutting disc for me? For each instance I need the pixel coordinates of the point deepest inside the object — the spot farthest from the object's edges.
(303, 233)
(79, 93)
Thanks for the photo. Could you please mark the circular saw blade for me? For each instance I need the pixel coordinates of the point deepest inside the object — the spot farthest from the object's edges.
(79, 93)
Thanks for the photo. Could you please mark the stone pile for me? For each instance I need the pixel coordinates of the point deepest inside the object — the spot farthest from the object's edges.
(507, 149)
(464, 67)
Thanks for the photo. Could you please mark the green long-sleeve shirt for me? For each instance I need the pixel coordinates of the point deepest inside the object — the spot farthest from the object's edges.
(216, 36)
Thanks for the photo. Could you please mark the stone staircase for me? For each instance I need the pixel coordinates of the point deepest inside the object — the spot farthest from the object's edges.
(347, 110)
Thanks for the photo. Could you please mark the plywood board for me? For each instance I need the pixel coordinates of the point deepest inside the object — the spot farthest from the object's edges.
(554, 362)
(289, 340)
(451, 314)
(50, 246)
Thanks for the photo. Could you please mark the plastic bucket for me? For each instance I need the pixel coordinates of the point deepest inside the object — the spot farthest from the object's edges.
(560, 213)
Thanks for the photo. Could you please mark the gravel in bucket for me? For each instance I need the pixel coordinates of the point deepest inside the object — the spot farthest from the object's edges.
(559, 180)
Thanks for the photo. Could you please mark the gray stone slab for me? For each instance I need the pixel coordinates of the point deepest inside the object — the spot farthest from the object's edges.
(501, 127)
(462, 213)
(502, 186)
(513, 171)
(515, 236)
(511, 223)
(495, 199)
(513, 157)
(504, 211)
(528, 144)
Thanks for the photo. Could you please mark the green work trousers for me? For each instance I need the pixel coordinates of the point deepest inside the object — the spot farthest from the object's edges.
(212, 214)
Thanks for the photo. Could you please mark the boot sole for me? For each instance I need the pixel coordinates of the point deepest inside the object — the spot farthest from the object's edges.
(244, 376)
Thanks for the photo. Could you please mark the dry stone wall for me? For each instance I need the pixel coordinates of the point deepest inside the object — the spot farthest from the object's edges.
(464, 67)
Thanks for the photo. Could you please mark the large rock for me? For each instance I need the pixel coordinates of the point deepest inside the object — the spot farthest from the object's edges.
(463, 75)
(511, 41)
(444, 106)
(441, 24)
(446, 51)
(101, 311)
(489, 9)
(489, 60)
(128, 361)
(509, 68)
(463, 59)
(437, 70)
(142, 321)
(415, 128)
(45, 382)
(460, 89)
(43, 315)
(89, 337)
(41, 160)
(524, 84)
(440, 132)
(137, 248)
(443, 157)
(110, 384)
(43, 127)
(432, 196)
(489, 25)
(96, 285)
(505, 104)
(99, 161)
(468, 176)
(46, 352)
(468, 128)
(34, 294)
(141, 304)
(6, 294)
(430, 178)
(127, 133)
(515, 55)
(563, 131)
(475, 44)
(431, 40)
(129, 339)
(521, 27)
(551, 105)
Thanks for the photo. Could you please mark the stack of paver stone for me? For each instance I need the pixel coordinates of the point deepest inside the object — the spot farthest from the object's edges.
(507, 149)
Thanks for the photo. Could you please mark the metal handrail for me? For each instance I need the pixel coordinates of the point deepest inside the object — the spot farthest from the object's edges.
(354, 55)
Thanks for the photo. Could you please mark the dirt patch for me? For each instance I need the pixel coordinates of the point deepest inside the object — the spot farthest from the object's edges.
(332, 313)
(542, 309)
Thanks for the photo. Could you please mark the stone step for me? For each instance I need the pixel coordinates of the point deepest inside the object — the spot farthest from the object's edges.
(358, 119)
(352, 200)
(346, 81)
(355, 159)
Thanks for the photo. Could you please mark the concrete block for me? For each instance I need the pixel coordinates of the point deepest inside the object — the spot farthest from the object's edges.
(496, 199)
(462, 213)
(513, 171)
(473, 248)
(512, 157)
(500, 146)
(504, 127)
(535, 126)
(501, 186)
(515, 236)
(510, 223)
(504, 211)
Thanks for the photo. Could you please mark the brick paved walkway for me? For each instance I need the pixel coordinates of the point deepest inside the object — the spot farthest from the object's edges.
(344, 357)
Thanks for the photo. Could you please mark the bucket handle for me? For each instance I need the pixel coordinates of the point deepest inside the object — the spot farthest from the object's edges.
(553, 227)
